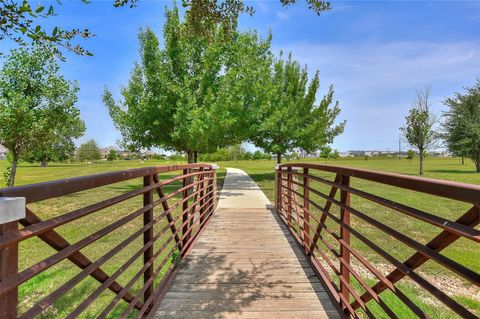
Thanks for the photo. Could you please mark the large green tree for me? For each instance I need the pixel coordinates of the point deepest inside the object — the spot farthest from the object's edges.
(195, 93)
(37, 104)
(419, 128)
(290, 117)
(462, 124)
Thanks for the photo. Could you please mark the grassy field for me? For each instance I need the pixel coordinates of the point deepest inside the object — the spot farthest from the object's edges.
(262, 172)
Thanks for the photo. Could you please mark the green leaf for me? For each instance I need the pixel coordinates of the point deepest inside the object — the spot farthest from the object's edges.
(39, 9)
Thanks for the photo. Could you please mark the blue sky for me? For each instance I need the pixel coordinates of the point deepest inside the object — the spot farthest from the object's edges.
(374, 53)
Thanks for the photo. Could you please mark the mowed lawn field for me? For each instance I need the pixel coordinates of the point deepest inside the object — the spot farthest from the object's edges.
(463, 251)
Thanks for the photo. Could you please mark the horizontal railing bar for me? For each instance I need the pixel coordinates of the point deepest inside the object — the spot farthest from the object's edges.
(127, 287)
(44, 226)
(448, 189)
(374, 271)
(157, 270)
(46, 190)
(375, 296)
(115, 275)
(382, 278)
(424, 250)
(451, 226)
(142, 230)
(39, 307)
(25, 275)
(452, 304)
(439, 242)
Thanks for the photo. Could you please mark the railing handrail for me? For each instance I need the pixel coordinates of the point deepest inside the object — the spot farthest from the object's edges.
(464, 192)
(193, 197)
(306, 218)
(45, 190)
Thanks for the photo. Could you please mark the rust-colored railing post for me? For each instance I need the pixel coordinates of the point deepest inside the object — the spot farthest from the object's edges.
(201, 195)
(306, 211)
(148, 235)
(211, 189)
(289, 196)
(345, 236)
(278, 188)
(185, 193)
(12, 209)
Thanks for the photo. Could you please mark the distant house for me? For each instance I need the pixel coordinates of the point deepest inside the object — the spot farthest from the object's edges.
(104, 151)
(3, 152)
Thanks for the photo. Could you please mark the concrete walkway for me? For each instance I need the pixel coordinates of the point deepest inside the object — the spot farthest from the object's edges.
(245, 265)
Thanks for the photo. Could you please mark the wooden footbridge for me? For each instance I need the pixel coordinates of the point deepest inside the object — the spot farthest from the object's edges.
(187, 251)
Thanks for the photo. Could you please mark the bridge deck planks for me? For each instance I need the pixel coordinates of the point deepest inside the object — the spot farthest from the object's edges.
(245, 265)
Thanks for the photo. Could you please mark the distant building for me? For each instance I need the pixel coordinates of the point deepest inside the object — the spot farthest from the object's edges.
(104, 151)
(305, 154)
(3, 152)
(345, 154)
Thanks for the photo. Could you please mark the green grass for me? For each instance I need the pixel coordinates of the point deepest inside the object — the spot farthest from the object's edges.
(34, 250)
(463, 251)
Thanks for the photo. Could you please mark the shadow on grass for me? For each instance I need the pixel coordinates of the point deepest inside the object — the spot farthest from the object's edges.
(261, 177)
(451, 171)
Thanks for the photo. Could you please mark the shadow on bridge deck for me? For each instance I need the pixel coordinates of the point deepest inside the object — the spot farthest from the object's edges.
(245, 265)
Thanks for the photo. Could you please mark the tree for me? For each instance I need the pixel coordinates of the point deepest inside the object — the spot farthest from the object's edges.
(37, 106)
(89, 152)
(419, 124)
(193, 95)
(59, 146)
(410, 154)
(335, 154)
(289, 117)
(236, 152)
(326, 152)
(112, 155)
(461, 126)
(21, 22)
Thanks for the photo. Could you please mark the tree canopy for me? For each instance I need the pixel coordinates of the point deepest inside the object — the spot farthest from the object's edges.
(88, 151)
(196, 93)
(418, 129)
(462, 124)
(290, 118)
(37, 105)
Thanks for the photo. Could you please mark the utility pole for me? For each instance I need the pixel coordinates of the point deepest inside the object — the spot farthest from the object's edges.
(399, 146)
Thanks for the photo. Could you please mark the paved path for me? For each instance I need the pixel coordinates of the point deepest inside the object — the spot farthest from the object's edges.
(245, 265)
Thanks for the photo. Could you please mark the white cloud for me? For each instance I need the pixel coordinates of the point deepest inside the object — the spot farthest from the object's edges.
(375, 82)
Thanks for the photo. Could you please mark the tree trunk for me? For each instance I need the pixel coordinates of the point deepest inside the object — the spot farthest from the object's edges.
(279, 158)
(195, 157)
(463, 160)
(477, 162)
(421, 161)
(13, 171)
(44, 162)
(190, 157)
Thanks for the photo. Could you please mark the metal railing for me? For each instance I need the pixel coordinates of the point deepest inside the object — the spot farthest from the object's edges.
(182, 215)
(322, 224)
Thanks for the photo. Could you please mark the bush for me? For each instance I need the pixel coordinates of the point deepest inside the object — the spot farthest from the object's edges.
(410, 154)
(112, 155)
(177, 157)
(88, 151)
